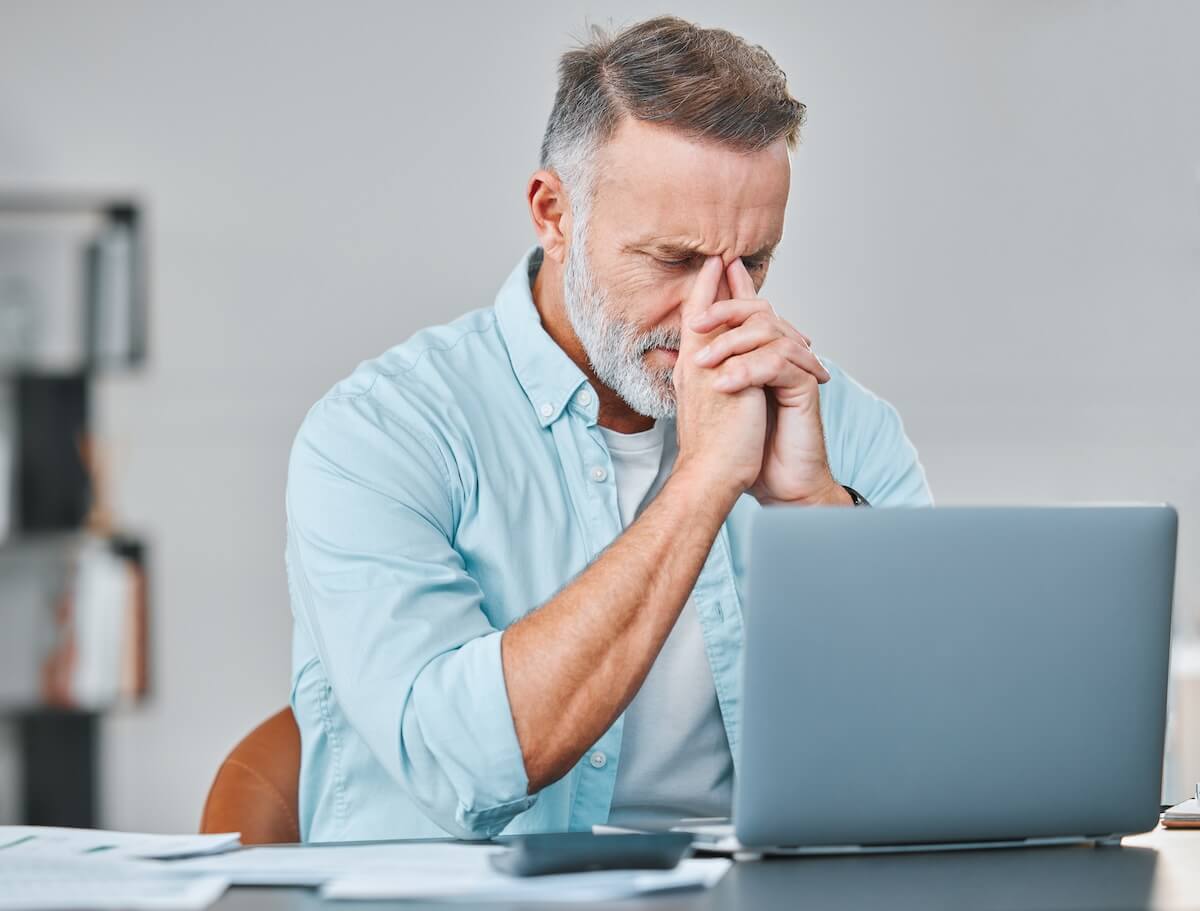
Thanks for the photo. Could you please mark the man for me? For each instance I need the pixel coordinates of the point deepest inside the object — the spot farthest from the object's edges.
(515, 541)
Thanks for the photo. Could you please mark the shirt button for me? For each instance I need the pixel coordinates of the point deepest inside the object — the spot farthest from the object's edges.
(598, 759)
(599, 474)
(583, 397)
(547, 409)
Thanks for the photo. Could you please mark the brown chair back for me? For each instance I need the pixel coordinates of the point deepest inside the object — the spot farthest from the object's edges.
(255, 791)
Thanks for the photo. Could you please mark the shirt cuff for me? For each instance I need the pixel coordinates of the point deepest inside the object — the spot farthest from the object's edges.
(479, 750)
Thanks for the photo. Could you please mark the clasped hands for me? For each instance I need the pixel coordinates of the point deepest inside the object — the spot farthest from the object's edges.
(747, 383)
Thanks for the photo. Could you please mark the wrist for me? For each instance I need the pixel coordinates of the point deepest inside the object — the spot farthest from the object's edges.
(707, 489)
(828, 494)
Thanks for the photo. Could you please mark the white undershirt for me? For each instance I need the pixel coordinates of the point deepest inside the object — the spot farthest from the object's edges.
(675, 758)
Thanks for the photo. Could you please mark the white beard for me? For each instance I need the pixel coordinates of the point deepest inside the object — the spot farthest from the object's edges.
(616, 349)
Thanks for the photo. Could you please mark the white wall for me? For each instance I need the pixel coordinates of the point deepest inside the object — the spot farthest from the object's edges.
(995, 224)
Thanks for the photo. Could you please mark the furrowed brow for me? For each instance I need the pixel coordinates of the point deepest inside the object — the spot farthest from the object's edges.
(681, 250)
(678, 250)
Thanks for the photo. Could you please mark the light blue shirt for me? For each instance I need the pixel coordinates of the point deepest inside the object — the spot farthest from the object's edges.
(441, 492)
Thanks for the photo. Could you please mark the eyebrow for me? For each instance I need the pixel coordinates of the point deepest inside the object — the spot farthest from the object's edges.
(682, 250)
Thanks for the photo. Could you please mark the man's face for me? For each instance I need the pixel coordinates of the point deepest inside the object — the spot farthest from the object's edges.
(662, 203)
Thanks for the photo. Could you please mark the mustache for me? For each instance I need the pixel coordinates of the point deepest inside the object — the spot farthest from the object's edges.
(658, 337)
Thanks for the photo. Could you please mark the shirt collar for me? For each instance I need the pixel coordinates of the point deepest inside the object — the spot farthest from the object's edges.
(550, 378)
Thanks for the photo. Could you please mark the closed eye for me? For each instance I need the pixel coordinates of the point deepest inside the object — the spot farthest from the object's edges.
(760, 264)
(675, 263)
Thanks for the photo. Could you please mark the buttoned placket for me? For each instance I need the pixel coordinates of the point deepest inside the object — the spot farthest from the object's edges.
(585, 459)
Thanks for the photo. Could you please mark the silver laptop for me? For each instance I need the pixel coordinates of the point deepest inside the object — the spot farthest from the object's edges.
(954, 676)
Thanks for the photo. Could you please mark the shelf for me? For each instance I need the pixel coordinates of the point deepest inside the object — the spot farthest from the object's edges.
(73, 282)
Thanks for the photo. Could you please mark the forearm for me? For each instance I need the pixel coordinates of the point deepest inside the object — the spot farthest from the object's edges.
(572, 665)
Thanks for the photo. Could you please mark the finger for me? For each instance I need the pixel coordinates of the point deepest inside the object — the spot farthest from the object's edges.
(763, 367)
(736, 312)
(729, 313)
(740, 282)
(790, 330)
(803, 356)
(754, 333)
(704, 289)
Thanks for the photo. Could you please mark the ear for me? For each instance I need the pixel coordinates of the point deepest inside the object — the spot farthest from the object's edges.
(550, 211)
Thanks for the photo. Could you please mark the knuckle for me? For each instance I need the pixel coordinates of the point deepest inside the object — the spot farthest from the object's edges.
(764, 325)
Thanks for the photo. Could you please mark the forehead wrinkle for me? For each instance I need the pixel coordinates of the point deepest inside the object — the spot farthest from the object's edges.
(721, 190)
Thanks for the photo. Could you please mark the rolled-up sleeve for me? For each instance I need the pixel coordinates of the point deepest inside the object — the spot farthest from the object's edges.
(398, 623)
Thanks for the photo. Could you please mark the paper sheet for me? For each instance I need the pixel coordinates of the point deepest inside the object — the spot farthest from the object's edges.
(67, 882)
(490, 885)
(312, 865)
(1188, 811)
(434, 869)
(52, 841)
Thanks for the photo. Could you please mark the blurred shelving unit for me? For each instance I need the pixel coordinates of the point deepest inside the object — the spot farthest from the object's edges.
(73, 594)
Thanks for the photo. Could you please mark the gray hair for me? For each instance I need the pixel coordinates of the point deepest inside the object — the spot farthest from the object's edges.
(707, 83)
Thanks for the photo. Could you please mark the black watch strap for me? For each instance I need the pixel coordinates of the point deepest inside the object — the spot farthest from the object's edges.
(855, 497)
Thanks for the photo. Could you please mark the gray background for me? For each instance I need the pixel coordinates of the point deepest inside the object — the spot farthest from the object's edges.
(995, 224)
